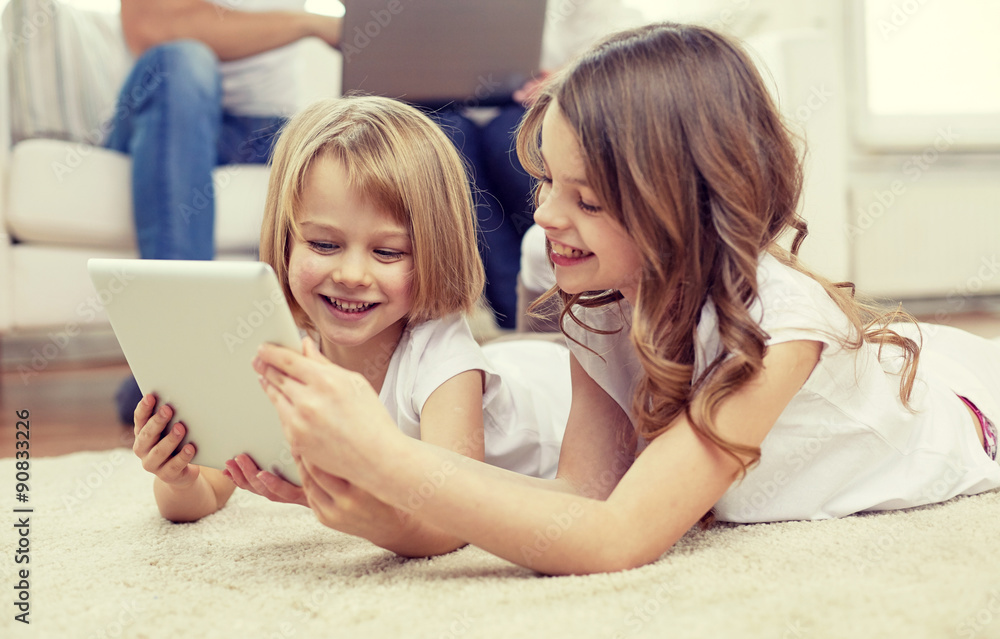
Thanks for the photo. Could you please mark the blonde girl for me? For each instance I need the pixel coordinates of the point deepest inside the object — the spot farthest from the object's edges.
(368, 225)
(713, 375)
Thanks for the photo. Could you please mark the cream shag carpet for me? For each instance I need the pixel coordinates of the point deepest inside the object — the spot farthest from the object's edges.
(104, 564)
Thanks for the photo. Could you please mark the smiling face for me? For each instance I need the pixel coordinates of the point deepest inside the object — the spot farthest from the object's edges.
(590, 250)
(351, 269)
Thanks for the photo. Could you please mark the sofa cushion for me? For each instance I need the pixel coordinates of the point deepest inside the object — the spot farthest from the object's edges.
(66, 66)
(76, 194)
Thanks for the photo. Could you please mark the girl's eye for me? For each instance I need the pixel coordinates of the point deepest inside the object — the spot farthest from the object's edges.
(588, 208)
(388, 255)
(322, 247)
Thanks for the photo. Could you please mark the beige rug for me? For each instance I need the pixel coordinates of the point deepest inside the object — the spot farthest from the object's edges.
(103, 564)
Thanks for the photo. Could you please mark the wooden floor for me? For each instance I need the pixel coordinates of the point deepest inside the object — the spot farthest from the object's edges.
(71, 408)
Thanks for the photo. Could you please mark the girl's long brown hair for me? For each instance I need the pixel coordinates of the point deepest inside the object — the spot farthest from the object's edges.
(685, 148)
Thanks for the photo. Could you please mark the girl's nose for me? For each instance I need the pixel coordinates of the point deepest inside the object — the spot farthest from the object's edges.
(352, 271)
(547, 214)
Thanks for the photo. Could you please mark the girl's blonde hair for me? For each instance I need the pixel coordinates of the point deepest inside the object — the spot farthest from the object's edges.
(686, 150)
(404, 164)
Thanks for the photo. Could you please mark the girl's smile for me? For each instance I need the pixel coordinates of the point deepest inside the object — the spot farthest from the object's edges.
(350, 271)
(347, 310)
(590, 250)
(564, 255)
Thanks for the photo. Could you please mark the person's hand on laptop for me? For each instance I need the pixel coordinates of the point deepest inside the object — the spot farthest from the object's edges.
(247, 475)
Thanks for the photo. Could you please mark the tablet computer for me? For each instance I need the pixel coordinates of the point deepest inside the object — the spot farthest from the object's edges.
(190, 331)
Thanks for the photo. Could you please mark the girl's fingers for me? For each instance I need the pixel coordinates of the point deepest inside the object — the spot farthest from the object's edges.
(236, 475)
(331, 484)
(285, 360)
(143, 411)
(148, 434)
(156, 456)
(311, 350)
(317, 498)
(175, 466)
(249, 469)
(280, 488)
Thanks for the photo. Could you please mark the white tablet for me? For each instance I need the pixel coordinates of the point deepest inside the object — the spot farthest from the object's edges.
(190, 331)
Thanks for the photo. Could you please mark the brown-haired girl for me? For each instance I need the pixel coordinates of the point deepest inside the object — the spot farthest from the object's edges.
(368, 224)
(754, 390)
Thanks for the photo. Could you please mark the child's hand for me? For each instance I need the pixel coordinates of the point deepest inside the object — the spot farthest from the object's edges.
(158, 455)
(245, 474)
(340, 505)
(330, 415)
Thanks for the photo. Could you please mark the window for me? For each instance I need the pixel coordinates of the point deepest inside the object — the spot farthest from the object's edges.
(925, 72)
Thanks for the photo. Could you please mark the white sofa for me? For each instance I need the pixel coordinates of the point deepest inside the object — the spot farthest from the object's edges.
(63, 202)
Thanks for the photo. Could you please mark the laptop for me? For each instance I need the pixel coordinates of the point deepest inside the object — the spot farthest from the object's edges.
(438, 52)
(190, 331)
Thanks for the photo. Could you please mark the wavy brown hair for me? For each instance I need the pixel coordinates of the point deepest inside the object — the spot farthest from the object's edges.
(685, 148)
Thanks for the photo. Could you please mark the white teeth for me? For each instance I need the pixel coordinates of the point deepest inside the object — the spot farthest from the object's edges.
(566, 251)
(350, 307)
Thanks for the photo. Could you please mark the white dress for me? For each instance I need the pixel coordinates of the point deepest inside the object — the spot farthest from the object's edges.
(845, 443)
(526, 398)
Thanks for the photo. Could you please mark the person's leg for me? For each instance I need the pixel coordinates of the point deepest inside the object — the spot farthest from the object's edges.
(168, 119)
(248, 139)
(467, 138)
(511, 185)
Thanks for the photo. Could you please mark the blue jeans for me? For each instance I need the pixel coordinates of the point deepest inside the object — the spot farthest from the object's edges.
(502, 190)
(170, 119)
